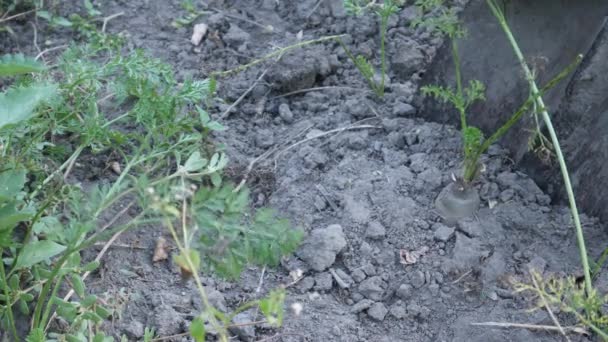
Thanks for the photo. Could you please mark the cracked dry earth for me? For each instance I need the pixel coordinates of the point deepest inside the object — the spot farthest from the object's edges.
(358, 174)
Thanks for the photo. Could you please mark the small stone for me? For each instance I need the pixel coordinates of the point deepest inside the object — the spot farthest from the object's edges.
(264, 138)
(377, 311)
(306, 284)
(403, 109)
(537, 264)
(323, 281)
(417, 279)
(405, 291)
(240, 327)
(235, 36)
(134, 330)
(373, 288)
(365, 249)
(375, 230)
(434, 289)
(369, 269)
(362, 305)
(358, 275)
(507, 195)
(398, 310)
(342, 278)
(320, 249)
(285, 113)
(442, 232)
(489, 191)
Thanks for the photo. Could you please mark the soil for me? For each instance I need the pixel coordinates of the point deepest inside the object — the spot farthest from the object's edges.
(358, 174)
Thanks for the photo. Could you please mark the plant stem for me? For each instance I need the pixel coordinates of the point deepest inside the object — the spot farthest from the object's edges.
(276, 53)
(560, 157)
(8, 304)
(199, 284)
(383, 28)
(518, 114)
(456, 59)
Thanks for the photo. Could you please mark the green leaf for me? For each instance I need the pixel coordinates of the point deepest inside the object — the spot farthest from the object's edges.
(195, 162)
(18, 104)
(272, 307)
(38, 251)
(197, 329)
(11, 65)
(36, 335)
(90, 9)
(88, 300)
(11, 183)
(216, 179)
(91, 266)
(78, 285)
(182, 261)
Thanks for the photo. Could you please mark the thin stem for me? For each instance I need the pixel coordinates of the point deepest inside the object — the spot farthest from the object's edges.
(558, 151)
(8, 305)
(350, 56)
(275, 54)
(461, 109)
(383, 29)
(469, 174)
(68, 162)
(199, 284)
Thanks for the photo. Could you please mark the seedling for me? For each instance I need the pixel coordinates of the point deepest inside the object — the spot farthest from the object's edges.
(384, 11)
(460, 199)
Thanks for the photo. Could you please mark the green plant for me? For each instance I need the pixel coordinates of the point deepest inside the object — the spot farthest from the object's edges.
(567, 296)
(188, 19)
(215, 235)
(474, 143)
(384, 11)
(166, 145)
(541, 108)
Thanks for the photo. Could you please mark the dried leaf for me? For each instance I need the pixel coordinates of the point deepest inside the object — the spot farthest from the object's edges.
(198, 33)
(160, 251)
(411, 257)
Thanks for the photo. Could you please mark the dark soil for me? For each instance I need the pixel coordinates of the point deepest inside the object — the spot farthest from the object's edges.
(376, 179)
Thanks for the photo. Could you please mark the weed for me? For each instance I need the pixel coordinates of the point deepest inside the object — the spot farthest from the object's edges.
(445, 22)
(384, 11)
(161, 139)
(568, 296)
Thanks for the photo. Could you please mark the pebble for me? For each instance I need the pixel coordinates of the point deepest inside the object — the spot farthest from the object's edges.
(377, 311)
(405, 291)
(320, 249)
(358, 275)
(398, 310)
(417, 279)
(362, 305)
(323, 281)
(373, 288)
(442, 232)
(285, 113)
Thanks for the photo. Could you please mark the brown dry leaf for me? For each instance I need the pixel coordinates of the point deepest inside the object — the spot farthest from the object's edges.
(198, 33)
(411, 257)
(160, 251)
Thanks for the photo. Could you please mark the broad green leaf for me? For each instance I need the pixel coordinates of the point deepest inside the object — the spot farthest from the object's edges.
(18, 104)
(38, 251)
(216, 179)
(11, 183)
(197, 330)
(11, 65)
(10, 216)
